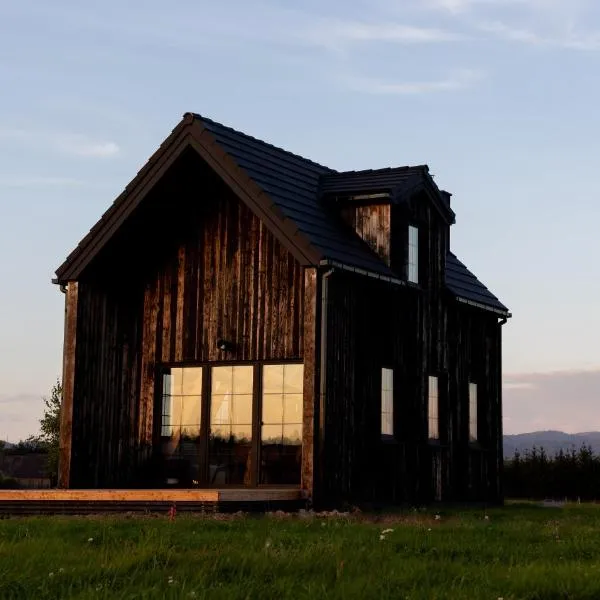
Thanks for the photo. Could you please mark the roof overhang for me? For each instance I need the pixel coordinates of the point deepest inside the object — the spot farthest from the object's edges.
(189, 133)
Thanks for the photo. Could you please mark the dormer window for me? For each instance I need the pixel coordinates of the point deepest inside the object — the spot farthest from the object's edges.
(413, 255)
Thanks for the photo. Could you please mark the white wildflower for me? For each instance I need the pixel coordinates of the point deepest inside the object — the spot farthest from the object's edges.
(382, 537)
(268, 544)
(90, 540)
(170, 580)
(386, 531)
(429, 529)
(50, 574)
(437, 517)
(487, 518)
(61, 570)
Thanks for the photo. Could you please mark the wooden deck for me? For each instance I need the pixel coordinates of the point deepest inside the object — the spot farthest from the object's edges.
(22, 502)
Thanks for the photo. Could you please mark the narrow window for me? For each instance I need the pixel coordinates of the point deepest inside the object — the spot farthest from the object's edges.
(413, 254)
(281, 430)
(434, 407)
(387, 402)
(472, 412)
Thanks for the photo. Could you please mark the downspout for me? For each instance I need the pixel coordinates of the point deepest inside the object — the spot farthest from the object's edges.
(323, 373)
(500, 498)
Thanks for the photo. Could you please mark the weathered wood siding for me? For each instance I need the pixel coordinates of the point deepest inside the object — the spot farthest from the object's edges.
(194, 265)
(372, 222)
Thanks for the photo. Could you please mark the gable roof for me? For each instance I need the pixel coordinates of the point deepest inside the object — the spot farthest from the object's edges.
(285, 191)
(466, 287)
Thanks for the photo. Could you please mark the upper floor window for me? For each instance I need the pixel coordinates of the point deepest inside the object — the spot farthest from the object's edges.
(387, 402)
(473, 434)
(434, 409)
(413, 254)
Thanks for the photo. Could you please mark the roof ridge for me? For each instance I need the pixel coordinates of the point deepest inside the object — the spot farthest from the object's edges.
(383, 169)
(246, 135)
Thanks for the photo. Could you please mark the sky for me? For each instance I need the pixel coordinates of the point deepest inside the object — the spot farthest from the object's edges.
(499, 97)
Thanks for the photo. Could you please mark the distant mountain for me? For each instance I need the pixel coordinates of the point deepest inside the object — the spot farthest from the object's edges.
(551, 441)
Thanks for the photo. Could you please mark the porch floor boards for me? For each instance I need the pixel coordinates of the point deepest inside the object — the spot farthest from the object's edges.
(71, 501)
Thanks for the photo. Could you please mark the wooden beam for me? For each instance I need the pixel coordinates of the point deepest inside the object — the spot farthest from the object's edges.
(311, 378)
(68, 383)
(172, 495)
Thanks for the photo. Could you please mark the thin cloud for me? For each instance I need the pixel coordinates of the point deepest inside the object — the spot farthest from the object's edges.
(64, 142)
(572, 40)
(341, 33)
(453, 82)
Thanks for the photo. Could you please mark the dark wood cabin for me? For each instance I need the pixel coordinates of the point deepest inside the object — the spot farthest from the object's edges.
(242, 316)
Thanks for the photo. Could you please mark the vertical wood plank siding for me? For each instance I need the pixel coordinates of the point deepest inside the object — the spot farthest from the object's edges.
(68, 383)
(372, 222)
(200, 267)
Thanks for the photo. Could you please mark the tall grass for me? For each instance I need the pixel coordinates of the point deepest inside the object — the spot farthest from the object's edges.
(515, 552)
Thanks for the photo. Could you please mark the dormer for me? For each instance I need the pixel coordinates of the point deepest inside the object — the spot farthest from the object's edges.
(391, 210)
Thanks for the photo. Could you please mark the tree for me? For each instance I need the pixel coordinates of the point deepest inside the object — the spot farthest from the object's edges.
(49, 436)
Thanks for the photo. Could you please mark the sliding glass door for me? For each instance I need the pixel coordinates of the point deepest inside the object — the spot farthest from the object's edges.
(237, 425)
(231, 425)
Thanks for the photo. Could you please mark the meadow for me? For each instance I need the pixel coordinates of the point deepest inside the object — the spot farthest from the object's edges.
(519, 551)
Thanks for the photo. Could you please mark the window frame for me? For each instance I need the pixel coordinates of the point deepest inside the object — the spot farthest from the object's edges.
(433, 418)
(412, 255)
(389, 395)
(473, 420)
(205, 411)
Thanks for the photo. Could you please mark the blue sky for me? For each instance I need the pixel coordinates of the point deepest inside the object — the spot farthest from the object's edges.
(499, 97)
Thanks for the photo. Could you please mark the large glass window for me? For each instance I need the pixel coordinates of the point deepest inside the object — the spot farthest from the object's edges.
(180, 425)
(231, 425)
(473, 433)
(387, 402)
(413, 254)
(434, 407)
(281, 430)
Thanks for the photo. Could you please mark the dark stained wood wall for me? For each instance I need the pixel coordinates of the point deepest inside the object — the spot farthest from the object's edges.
(193, 266)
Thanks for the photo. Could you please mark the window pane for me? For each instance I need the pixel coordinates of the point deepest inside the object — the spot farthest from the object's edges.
(190, 410)
(292, 408)
(191, 384)
(272, 379)
(473, 433)
(292, 434)
(272, 409)
(281, 432)
(242, 409)
(293, 379)
(243, 380)
(222, 380)
(387, 402)
(220, 410)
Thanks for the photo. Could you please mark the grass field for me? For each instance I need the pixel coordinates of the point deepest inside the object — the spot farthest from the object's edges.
(519, 551)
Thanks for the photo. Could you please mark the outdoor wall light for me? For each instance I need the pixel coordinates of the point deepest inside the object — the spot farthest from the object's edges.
(224, 345)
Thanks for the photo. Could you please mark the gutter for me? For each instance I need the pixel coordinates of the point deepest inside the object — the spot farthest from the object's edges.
(504, 314)
(333, 264)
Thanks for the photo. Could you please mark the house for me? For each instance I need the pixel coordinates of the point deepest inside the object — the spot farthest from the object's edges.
(242, 316)
(27, 469)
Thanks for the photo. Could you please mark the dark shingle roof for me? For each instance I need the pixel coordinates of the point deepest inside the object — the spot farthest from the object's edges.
(371, 180)
(292, 183)
(463, 284)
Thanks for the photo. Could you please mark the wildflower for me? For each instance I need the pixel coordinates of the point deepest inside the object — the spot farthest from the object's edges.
(437, 517)
(90, 540)
(386, 531)
(61, 570)
(487, 518)
(268, 544)
(170, 580)
(50, 575)
(382, 537)
(429, 529)
(323, 524)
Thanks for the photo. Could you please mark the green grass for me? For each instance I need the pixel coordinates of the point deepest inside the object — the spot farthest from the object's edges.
(521, 551)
